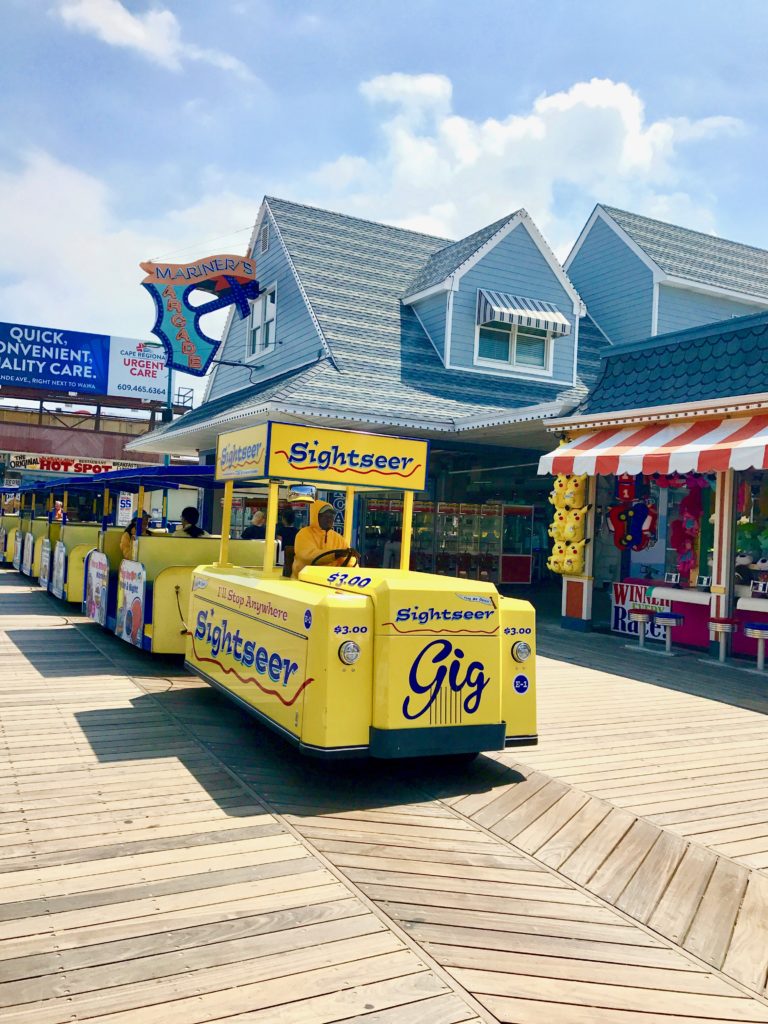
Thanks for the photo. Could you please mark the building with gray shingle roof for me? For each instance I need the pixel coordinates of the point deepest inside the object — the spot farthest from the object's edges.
(349, 351)
(641, 277)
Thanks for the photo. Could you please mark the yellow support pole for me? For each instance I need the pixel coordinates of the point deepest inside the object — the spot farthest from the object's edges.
(65, 497)
(349, 508)
(106, 501)
(273, 497)
(49, 503)
(226, 525)
(140, 501)
(405, 543)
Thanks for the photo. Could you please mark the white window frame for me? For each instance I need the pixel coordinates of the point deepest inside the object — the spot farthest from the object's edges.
(259, 307)
(510, 366)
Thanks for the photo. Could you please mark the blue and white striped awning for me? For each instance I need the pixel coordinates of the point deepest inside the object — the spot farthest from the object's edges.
(523, 312)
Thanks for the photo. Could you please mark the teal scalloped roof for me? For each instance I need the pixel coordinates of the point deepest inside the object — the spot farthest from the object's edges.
(719, 360)
(697, 256)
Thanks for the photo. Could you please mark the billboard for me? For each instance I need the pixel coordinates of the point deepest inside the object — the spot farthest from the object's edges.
(87, 464)
(88, 364)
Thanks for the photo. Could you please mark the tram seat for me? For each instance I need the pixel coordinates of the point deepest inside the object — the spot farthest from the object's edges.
(168, 565)
(74, 542)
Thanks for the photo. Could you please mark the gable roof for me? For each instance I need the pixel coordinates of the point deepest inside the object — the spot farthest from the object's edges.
(447, 259)
(696, 256)
(721, 360)
(384, 367)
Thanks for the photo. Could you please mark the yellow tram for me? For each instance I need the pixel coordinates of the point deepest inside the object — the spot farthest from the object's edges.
(348, 661)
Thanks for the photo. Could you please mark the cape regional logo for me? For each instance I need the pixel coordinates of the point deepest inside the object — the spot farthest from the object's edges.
(305, 456)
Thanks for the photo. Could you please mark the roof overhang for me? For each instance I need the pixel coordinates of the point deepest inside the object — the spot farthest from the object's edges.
(500, 428)
(682, 411)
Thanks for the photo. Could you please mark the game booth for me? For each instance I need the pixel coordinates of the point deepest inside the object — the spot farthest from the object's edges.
(673, 522)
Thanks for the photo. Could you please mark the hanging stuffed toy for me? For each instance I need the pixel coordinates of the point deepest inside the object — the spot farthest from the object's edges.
(555, 560)
(558, 525)
(684, 530)
(573, 560)
(575, 524)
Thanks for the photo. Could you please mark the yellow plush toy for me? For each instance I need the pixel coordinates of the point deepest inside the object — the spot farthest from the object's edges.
(559, 525)
(576, 491)
(575, 523)
(573, 559)
(555, 560)
(569, 491)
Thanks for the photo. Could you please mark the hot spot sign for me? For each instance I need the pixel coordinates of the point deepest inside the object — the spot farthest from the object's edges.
(339, 458)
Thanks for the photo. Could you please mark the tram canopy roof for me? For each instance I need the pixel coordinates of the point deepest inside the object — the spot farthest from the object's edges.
(154, 478)
(704, 446)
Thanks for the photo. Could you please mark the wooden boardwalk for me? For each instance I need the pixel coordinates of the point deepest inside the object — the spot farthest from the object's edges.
(163, 859)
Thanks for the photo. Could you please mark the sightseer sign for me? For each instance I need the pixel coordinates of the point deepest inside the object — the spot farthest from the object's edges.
(319, 455)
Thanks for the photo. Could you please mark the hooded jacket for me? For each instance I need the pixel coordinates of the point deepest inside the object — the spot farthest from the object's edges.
(312, 541)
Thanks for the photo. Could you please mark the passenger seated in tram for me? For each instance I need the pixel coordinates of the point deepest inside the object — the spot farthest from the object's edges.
(318, 537)
(287, 531)
(189, 527)
(126, 540)
(258, 528)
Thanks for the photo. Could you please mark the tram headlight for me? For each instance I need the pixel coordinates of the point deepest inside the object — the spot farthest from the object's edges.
(349, 652)
(521, 651)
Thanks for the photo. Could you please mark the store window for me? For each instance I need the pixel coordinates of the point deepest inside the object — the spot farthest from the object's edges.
(261, 328)
(505, 345)
(649, 528)
(751, 540)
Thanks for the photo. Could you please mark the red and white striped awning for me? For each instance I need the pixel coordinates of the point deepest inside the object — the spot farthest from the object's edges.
(706, 446)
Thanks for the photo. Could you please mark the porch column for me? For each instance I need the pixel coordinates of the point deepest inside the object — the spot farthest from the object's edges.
(721, 601)
(576, 608)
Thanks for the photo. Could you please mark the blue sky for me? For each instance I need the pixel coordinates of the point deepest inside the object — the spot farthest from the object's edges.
(138, 129)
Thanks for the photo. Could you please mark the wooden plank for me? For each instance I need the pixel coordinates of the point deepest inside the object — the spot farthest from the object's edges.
(617, 870)
(680, 901)
(587, 858)
(555, 851)
(534, 1011)
(595, 970)
(611, 996)
(511, 798)
(530, 811)
(710, 933)
(551, 821)
(747, 957)
(361, 1004)
(651, 879)
(269, 984)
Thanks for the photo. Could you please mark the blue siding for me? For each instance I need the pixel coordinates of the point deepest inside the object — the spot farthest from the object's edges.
(615, 284)
(515, 265)
(298, 342)
(680, 308)
(432, 313)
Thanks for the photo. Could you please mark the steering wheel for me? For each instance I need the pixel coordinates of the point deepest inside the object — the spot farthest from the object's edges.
(349, 554)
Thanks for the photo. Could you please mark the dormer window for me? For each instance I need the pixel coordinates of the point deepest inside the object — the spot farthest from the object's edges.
(525, 348)
(516, 332)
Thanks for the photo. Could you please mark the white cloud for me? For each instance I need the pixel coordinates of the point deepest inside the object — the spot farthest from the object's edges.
(156, 34)
(70, 254)
(69, 260)
(441, 172)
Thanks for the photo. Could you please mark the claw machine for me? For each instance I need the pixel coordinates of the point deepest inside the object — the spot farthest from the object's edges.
(517, 544)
